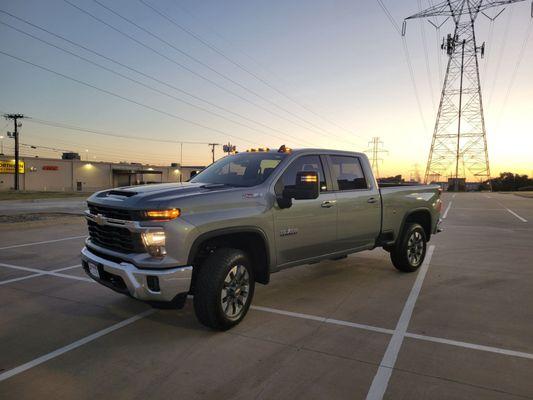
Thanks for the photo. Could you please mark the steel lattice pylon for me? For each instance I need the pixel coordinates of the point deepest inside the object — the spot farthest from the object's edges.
(459, 144)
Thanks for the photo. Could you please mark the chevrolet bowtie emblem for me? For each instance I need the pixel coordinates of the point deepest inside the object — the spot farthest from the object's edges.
(99, 219)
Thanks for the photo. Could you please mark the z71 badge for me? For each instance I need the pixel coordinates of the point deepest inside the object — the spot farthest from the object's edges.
(288, 232)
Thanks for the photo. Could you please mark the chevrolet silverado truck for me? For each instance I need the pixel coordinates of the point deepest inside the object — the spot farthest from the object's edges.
(245, 217)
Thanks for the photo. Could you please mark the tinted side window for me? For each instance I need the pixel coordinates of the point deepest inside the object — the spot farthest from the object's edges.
(348, 173)
(305, 163)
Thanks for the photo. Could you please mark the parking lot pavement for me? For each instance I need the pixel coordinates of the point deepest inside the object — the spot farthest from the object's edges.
(74, 205)
(459, 328)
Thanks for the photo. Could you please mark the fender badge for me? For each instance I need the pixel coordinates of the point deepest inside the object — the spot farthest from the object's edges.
(288, 232)
(251, 195)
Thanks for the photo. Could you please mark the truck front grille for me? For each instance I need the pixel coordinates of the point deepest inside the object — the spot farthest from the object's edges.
(115, 238)
(109, 212)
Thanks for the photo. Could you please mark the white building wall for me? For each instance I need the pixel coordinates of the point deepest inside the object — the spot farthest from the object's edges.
(48, 174)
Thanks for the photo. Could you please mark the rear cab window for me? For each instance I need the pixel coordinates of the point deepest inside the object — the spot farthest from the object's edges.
(347, 173)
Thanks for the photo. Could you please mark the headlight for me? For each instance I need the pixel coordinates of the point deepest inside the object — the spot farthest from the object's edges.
(154, 241)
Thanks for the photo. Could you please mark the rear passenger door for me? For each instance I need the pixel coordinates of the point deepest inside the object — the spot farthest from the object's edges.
(358, 202)
(308, 228)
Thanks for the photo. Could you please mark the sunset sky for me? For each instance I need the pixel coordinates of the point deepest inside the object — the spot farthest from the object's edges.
(328, 74)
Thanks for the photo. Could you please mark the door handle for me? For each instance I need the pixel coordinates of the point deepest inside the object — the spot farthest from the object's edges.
(372, 200)
(328, 204)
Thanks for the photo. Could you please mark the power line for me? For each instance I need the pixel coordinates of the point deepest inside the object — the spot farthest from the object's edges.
(214, 70)
(141, 83)
(390, 17)
(500, 56)
(237, 64)
(110, 93)
(151, 77)
(408, 60)
(255, 104)
(426, 54)
(515, 70)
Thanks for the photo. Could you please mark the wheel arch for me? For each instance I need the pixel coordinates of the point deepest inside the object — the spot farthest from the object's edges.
(250, 239)
(421, 216)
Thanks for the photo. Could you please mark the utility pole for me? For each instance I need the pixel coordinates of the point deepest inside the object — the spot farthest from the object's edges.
(15, 135)
(459, 135)
(375, 150)
(213, 145)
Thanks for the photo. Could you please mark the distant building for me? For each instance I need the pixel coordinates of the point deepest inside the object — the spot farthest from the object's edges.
(73, 174)
(70, 156)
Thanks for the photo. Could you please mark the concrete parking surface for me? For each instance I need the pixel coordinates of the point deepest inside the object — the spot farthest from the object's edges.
(459, 328)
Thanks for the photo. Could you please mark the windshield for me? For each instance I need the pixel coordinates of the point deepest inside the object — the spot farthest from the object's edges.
(245, 169)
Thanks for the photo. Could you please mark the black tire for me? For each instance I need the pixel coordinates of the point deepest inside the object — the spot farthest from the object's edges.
(409, 252)
(209, 305)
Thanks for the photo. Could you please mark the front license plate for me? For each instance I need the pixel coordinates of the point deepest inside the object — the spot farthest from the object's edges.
(93, 270)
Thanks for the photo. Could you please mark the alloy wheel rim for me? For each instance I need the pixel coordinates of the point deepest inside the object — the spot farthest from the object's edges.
(415, 248)
(235, 291)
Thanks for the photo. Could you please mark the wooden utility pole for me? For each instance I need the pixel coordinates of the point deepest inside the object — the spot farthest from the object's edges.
(15, 135)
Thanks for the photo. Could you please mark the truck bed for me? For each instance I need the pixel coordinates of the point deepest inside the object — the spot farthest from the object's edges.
(398, 200)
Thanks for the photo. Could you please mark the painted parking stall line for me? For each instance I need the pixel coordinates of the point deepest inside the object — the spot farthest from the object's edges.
(473, 346)
(23, 278)
(42, 242)
(516, 215)
(43, 272)
(381, 380)
(447, 210)
(323, 319)
(72, 346)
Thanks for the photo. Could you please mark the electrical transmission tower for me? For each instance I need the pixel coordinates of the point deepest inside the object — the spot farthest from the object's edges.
(459, 138)
(375, 150)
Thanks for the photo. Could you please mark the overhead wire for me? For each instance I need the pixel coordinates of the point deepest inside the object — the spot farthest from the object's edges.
(145, 85)
(153, 78)
(408, 60)
(127, 99)
(190, 70)
(239, 65)
(426, 54)
(502, 48)
(515, 70)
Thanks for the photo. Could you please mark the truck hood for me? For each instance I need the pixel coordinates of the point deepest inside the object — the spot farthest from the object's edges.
(153, 196)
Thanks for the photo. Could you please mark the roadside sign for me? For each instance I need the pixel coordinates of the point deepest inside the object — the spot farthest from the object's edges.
(8, 167)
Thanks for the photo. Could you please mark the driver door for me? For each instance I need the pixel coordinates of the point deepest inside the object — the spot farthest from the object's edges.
(308, 228)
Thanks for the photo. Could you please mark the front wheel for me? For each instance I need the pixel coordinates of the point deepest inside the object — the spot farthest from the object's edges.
(224, 289)
(409, 253)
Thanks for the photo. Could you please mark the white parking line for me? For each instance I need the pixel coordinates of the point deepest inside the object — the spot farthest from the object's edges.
(473, 346)
(43, 272)
(323, 319)
(447, 210)
(511, 212)
(455, 194)
(36, 275)
(43, 242)
(381, 380)
(72, 346)
(416, 336)
(516, 215)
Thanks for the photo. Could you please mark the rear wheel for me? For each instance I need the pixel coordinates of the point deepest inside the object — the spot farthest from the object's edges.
(409, 252)
(224, 289)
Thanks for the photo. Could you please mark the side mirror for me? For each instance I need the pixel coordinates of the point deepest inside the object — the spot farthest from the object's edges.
(306, 187)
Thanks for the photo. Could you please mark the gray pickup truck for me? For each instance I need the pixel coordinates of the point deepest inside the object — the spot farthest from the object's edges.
(244, 217)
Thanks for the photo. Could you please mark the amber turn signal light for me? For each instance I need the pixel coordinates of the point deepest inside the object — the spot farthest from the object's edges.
(163, 214)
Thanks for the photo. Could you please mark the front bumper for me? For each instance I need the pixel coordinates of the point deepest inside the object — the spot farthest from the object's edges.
(126, 278)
